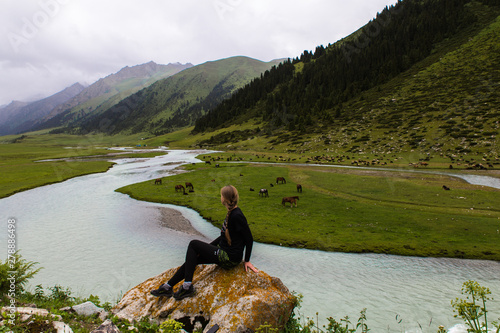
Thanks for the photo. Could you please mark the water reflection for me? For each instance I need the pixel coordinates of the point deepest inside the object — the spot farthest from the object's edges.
(97, 241)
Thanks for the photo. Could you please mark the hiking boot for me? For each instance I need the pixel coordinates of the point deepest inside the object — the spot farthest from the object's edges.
(183, 293)
(162, 291)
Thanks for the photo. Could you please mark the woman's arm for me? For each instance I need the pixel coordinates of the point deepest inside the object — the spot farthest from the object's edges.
(248, 239)
(242, 228)
(248, 265)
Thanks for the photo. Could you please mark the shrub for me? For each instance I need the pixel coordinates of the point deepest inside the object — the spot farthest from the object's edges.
(60, 294)
(15, 273)
(473, 308)
(171, 326)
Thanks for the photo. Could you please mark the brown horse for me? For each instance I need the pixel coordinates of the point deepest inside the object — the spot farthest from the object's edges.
(280, 179)
(263, 193)
(299, 188)
(179, 188)
(291, 200)
(189, 185)
(158, 181)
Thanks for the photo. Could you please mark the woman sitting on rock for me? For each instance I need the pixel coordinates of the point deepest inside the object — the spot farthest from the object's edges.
(225, 251)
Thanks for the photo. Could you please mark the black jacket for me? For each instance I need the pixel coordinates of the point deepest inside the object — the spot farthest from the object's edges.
(241, 237)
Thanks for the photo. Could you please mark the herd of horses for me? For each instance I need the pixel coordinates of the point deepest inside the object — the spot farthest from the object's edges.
(291, 200)
(178, 188)
(263, 192)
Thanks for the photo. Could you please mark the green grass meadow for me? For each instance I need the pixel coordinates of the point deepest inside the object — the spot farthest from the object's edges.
(22, 166)
(21, 171)
(345, 210)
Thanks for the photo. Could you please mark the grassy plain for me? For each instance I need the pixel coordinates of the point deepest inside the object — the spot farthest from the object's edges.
(346, 210)
(22, 158)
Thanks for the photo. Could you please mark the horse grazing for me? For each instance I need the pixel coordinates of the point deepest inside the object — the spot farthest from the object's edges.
(299, 188)
(189, 185)
(291, 200)
(263, 193)
(158, 181)
(446, 188)
(280, 179)
(179, 188)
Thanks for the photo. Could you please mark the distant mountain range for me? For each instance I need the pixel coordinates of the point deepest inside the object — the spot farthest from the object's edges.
(76, 102)
(177, 101)
(20, 117)
(144, 98)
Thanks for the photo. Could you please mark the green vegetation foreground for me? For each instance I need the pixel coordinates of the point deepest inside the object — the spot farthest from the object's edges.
(473, 314)
(346, 210)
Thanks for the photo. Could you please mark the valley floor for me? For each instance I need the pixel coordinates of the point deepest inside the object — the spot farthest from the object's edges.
(346, 209)
(391, 208)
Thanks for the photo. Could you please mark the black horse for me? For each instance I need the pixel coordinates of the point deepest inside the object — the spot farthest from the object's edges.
(263, 192)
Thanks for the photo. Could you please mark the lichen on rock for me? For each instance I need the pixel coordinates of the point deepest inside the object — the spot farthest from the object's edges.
(236, 300)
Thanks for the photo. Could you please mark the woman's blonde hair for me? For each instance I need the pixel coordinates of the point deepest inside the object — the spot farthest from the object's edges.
(230, 199)
(230, 196)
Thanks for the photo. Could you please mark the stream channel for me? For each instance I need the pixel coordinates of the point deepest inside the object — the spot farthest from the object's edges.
(93, 240)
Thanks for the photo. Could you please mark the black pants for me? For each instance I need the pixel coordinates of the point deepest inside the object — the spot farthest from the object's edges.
(198, 252)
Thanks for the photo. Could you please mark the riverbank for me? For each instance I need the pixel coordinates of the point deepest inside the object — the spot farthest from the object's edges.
(346, 210)
(29, 165)
(173, 219)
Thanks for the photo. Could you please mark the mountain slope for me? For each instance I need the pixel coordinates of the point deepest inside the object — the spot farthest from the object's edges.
(178, 100)
(450, 106)
(415, 77)
(22, 119)
(8, 110)
(108, 91)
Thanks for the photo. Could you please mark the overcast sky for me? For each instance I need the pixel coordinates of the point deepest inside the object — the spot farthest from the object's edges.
(47, 45)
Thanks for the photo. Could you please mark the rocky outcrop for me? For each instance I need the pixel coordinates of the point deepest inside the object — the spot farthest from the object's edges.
(236, 300)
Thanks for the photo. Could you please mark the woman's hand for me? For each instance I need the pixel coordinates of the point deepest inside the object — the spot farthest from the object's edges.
(248, 265)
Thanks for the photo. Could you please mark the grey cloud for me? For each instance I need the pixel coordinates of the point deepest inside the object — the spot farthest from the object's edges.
(51, 44)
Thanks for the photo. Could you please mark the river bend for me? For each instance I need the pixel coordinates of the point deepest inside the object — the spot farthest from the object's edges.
(96, 241)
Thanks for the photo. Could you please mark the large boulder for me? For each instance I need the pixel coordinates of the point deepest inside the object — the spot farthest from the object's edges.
(236, 300)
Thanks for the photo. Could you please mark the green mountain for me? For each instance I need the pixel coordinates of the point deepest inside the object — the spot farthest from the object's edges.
(176, 101)
(107, 92)
(423, 75)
